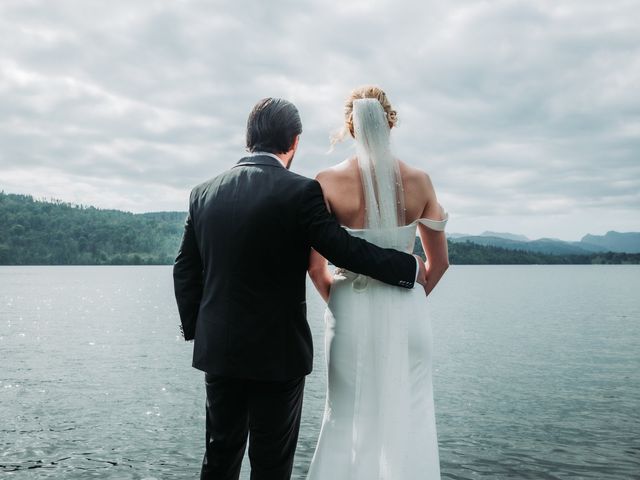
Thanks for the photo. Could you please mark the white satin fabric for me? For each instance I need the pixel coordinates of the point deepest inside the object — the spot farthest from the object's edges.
(379, 419)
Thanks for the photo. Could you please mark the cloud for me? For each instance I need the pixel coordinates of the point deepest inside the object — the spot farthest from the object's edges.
(526, 115)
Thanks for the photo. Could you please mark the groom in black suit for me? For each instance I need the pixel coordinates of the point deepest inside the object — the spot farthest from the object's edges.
(239, 281)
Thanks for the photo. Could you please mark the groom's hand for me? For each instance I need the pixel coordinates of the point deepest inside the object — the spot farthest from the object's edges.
(421, 277)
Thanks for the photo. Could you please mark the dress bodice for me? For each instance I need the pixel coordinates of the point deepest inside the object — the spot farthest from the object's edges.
(400, 238)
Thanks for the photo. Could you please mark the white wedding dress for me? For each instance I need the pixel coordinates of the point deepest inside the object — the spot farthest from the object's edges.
(379, 419)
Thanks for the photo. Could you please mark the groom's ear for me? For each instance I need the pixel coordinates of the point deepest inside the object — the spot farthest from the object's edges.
(292, 151)
(296, 140)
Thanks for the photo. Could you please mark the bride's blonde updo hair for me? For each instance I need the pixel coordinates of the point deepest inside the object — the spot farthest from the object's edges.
(366, 91)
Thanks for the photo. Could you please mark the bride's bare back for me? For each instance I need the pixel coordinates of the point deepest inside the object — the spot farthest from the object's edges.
(345, 198)
(344, 194)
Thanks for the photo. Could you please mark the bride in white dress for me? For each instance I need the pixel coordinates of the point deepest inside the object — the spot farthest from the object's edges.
(379, 419)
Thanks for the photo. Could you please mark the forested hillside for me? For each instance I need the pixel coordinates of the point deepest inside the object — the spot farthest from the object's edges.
(34, 232)
(55, 233)
(468, 253)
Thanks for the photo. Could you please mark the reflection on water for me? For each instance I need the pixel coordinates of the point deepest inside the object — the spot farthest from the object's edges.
(536, 374)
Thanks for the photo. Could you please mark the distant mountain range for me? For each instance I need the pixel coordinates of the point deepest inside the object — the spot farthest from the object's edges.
(621, 242)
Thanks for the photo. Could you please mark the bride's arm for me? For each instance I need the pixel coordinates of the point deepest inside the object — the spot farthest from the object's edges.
(320, 275)
(318, 265)
(434, 242)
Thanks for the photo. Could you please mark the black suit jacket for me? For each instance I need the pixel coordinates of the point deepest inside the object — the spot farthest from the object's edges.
(240, 274)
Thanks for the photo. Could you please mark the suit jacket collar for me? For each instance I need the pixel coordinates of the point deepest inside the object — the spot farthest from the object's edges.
(260, 160)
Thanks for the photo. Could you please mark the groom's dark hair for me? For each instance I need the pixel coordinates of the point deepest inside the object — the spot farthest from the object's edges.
(272, 126)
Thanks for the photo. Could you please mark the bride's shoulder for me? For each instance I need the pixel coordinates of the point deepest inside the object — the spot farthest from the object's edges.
(337, 173)
(415, 178)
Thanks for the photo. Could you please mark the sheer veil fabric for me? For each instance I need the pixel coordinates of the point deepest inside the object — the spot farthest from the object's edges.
(382, 366)
(379, 171)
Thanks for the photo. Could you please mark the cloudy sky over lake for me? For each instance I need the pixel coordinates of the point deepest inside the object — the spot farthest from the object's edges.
(526, 114)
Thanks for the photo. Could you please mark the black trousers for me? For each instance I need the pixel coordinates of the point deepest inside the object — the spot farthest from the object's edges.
(266, 412)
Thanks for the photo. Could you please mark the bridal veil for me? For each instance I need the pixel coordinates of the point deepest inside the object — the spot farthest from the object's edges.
(382, 367)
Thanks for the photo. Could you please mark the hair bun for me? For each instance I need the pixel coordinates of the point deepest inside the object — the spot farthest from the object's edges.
(365, 91)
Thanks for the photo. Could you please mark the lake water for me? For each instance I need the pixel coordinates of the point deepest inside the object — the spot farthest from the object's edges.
(537, 374)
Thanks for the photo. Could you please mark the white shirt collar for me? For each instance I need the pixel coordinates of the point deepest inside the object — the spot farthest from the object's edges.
(268, 154)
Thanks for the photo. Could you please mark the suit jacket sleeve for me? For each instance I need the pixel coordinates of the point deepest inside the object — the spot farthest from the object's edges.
(188, 280)
(326, 235)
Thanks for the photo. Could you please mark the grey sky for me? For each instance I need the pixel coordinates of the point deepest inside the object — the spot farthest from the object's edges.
(525, 114)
